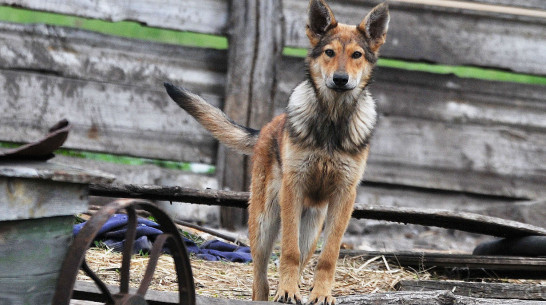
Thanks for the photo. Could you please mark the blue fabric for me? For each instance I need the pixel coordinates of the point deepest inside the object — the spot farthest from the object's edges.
(112, 234)
(215, 250)
(141, 244)
(116, 221)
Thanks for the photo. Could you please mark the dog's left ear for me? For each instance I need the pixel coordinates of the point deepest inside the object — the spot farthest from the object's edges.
(375, 26)
(321, 20)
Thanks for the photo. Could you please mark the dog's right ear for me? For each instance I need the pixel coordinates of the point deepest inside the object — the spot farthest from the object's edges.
(321, 20)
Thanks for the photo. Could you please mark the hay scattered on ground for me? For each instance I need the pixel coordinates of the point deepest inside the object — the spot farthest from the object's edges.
(354, 275)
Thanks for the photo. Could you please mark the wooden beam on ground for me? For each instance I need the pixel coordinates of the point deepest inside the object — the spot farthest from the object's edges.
(463, 221)
(256, 41)
(88, 291)
(478, 290)
(438, 297)
(510, 266)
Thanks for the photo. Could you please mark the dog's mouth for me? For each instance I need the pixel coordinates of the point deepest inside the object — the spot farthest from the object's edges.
(340, 89)
(337, 89)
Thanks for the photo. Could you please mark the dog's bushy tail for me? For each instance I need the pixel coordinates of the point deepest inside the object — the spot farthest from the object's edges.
(214, 120)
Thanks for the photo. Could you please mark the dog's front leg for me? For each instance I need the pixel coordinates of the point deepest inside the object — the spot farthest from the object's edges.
(291, 202)
(337, 219)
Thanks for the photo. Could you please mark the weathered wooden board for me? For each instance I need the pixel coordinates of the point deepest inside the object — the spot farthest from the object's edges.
(512, 7)
(447, 35)
(464, 221)
(509, 265)
(538, 4)
(369, 193)
(173, 193)
(154, 174)
(372, 194)
(44, 189)
(256, 44)
(29, 198)
(142, 174)
(205, 16)
(462, 157)
(449, 133)
(388, 195)
(110, 118)
(86, 55)
(109, 88)
(478, 290)
(88, 291)
(439, 297)
(444, 132)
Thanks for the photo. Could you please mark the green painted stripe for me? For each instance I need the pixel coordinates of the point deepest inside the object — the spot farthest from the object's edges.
(127, 29)
(465, 72)
(127, 160)
(135, 30)
(460, 71)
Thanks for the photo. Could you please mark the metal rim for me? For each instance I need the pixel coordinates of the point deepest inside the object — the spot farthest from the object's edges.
(75, 258)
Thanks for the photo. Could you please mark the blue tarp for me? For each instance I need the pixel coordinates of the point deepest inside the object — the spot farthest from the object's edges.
(112, 234)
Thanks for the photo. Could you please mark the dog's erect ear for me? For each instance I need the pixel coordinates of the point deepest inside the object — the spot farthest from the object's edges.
(375, 26)
(321, 20)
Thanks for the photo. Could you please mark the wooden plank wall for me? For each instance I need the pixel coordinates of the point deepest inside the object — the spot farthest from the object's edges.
(441, 140)
(110, 88)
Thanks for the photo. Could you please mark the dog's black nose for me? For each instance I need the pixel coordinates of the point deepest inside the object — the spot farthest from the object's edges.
(341, 79)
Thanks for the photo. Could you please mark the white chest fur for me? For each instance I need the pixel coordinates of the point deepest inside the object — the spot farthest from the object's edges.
(344, 123)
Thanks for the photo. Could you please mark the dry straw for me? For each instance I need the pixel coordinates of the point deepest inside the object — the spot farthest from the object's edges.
(354, 275)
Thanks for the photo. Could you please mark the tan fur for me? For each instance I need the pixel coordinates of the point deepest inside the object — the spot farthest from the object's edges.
(307, 162)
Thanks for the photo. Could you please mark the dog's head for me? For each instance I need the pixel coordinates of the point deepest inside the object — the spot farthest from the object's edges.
(342, 56)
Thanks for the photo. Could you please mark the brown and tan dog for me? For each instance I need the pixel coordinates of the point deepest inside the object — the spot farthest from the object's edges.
(307, 162)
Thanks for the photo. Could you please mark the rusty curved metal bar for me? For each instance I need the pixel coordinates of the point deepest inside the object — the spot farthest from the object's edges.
(152, 263)
(100, 284)
(130, 235)
(75, 258)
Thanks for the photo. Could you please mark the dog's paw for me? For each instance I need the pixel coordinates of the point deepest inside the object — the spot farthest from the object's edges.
(316, 298)
(288, 296)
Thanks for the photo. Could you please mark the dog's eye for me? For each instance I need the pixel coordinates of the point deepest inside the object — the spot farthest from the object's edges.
(330, 53)
(356, 55)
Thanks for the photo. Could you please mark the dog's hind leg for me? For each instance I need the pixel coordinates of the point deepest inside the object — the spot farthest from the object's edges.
(263, 226)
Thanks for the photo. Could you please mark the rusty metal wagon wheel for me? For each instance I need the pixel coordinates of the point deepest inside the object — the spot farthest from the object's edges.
(75, 258)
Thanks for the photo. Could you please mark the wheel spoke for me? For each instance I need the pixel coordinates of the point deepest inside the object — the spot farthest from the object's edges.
(100, 284)
(152, 263)
(128, 250)
(186, 289)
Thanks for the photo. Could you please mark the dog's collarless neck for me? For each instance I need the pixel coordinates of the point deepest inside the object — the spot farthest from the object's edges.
(337, 125)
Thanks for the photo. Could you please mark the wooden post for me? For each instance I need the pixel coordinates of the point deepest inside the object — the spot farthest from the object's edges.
(255, 49)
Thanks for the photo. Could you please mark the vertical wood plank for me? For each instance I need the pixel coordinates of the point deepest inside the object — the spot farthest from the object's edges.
(255, 48)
